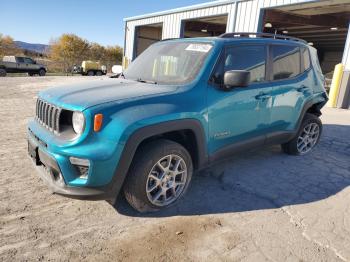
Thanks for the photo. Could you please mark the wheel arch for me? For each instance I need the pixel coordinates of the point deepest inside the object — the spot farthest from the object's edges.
(312, 107)
(188, 132)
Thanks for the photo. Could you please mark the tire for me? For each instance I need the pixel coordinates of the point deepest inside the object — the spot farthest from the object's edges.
(3, 72)
(30, 74)
(42, 72)
(146, 167)
(98, 73)
(306, 138)
(90, 73)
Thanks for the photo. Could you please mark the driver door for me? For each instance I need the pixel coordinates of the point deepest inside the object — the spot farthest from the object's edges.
(240, 117)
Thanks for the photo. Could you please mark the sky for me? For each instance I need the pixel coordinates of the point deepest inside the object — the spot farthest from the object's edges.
(101, 21)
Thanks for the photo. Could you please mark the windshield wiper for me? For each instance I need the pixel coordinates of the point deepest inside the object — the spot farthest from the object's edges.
(146, 81)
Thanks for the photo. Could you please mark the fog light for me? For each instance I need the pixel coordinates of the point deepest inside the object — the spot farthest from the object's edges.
(83, 171)
(82, 166)
(79, 161)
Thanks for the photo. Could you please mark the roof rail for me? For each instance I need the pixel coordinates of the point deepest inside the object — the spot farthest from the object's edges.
(262, 35)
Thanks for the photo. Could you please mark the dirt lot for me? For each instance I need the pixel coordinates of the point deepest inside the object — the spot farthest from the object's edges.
(263, 206)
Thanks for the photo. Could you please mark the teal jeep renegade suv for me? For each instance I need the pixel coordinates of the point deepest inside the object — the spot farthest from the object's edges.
(180, 106)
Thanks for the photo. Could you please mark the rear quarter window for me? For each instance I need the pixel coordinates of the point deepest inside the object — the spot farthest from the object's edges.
(286, 61)
(305, 56)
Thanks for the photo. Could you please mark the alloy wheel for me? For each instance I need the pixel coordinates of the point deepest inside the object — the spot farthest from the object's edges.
(308, 138)
(167, 180)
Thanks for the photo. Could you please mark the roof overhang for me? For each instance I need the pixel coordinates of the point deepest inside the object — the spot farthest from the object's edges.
(182, 9)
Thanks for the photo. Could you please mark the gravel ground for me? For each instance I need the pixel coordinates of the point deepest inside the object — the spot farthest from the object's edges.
(259, 206)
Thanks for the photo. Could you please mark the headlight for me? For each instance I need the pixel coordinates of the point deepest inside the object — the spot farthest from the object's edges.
(78, 121)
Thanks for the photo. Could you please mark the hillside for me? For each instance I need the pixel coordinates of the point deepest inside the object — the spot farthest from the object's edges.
(38, 48)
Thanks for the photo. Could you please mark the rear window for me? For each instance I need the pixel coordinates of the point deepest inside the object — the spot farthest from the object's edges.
(20, 59)
(286, 61)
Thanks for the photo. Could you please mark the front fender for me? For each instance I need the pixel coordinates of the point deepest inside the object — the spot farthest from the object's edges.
(135, 139)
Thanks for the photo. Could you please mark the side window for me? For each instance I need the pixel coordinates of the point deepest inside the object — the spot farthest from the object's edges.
(286, 61)
(250, 58)
(19, 59)
(305, 58)
(28, 60)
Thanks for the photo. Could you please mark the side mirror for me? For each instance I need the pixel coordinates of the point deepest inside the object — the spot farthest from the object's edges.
(236, 78)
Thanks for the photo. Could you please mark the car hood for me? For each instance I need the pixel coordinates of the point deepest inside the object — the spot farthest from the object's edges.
(86, 94)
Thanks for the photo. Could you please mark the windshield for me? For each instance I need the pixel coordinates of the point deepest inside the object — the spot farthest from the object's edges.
(169, 63)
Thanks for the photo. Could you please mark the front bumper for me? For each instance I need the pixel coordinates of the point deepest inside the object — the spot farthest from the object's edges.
(50, 172)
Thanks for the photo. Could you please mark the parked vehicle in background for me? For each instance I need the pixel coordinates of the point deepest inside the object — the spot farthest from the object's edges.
(180, 106)
(90, 68)
(19, 64)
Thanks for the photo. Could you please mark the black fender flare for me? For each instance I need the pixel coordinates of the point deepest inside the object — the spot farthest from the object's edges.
(113, 188)
(306, 107)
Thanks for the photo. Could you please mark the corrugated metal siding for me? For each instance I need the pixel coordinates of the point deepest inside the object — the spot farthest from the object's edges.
(244, 19)
(346, 55)
(172, 23)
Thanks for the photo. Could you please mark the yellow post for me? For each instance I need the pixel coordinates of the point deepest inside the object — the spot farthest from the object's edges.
(334, 91)
(125, 62)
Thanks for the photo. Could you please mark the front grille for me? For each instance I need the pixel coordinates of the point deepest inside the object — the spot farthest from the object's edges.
(48, 115)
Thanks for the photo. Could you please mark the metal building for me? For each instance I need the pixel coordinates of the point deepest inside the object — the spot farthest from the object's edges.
(322, 23)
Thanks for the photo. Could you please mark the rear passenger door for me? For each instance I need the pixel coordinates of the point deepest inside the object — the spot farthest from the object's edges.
(291, 80)
(21, 66)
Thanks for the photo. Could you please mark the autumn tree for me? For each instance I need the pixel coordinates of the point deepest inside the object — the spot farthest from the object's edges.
(69, 50)
(107, 56)
(113, 55)
(8, 46)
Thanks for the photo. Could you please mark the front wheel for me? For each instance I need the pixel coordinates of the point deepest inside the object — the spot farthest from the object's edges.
(307, 137)
(42, 72)
(159, 176)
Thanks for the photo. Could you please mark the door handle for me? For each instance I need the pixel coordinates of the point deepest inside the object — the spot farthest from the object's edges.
(302, 88)
(262, 96)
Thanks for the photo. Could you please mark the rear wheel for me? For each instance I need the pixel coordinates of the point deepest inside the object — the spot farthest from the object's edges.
(42, 72)
(2, 72)
(159, 176)
(307, 137)
(99, 73)
(90, 73)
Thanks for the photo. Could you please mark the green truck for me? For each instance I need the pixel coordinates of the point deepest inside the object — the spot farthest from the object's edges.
(18, 64)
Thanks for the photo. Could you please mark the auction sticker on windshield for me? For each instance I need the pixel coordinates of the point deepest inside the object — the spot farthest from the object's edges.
(199, 48)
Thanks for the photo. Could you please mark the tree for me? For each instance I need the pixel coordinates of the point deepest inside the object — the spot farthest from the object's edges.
(97, 52)
(113, 55)
(69, 50)
(8, 46)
